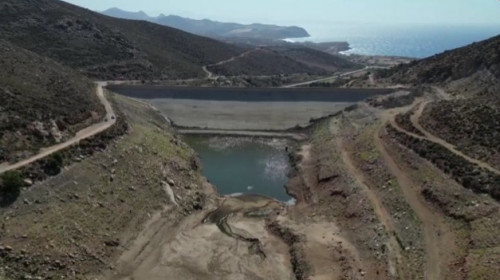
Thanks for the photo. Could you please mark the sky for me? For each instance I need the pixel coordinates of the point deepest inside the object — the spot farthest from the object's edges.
(317, 11)
(320, 16)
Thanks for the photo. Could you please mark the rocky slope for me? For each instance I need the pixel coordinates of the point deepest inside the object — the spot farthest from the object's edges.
(479, 60)
(264, 61)
(471, 73)
(110, 48)
(105, 47)
(317, 58)
(76, 224)
(42, 102)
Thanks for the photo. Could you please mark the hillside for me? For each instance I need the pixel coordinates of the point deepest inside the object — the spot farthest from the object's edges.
(76, 224)
(284, 60)
(107, 48)
(481, 58)
(317, 58)
(42, 102)
(264, 62)
(215, 29)
(471, 73)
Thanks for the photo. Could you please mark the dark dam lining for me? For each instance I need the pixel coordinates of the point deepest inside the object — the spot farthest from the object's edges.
(249, 94)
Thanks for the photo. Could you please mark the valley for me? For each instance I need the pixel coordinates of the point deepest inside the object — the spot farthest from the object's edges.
(136, 151)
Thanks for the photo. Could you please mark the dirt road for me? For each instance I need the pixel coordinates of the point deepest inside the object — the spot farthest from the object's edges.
(333, 77)
(379, 208)
(439, 240)
(90, 131)
(438, 237)
(415, 120)
(212, 76)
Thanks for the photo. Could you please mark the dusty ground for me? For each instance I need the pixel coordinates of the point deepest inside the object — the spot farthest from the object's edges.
(216, 243)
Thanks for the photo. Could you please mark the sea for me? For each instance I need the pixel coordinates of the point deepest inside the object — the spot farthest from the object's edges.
(406, 40)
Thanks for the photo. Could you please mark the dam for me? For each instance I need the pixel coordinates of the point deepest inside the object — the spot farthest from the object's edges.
(257, 161)
(260, 109)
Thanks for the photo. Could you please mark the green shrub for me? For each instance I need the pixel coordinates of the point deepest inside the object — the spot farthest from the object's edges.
(12, 182)
(53, 164)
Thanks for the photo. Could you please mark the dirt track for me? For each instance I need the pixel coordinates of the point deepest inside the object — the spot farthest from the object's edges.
(428, 136)
(378, 206)
(439, 241)
(212, 76)
(85, 133)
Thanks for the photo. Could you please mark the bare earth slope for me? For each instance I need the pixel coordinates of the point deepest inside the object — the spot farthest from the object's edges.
(76, 224)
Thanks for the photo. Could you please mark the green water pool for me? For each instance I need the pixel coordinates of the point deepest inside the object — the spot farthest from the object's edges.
(240, 165)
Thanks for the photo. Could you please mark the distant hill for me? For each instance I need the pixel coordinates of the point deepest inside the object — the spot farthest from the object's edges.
(216, 29)
(265, 62)
(317, 58)
(285, 60)
(118, 13)
(41, 102)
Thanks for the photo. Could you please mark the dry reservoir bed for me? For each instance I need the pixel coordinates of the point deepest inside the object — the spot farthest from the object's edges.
(246, 108)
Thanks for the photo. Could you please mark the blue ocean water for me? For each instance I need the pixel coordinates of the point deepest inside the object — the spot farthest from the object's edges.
(408, 41)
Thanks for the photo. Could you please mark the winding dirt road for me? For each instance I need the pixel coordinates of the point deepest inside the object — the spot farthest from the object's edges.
(415, 120)
(212, 76)
(85, 133)
(333, 77)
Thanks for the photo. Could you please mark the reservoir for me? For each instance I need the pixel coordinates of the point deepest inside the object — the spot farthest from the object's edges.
(245, 165)
(260, 109)
(241, 165)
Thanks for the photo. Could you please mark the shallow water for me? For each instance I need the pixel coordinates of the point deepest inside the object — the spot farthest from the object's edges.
(237, 165)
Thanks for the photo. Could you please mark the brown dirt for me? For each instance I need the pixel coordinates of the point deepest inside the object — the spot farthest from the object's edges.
(378, 206)
(439, 239)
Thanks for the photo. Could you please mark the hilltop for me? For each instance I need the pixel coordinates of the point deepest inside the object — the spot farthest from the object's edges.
(477, 66)
(215, 29)
(119, 13)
